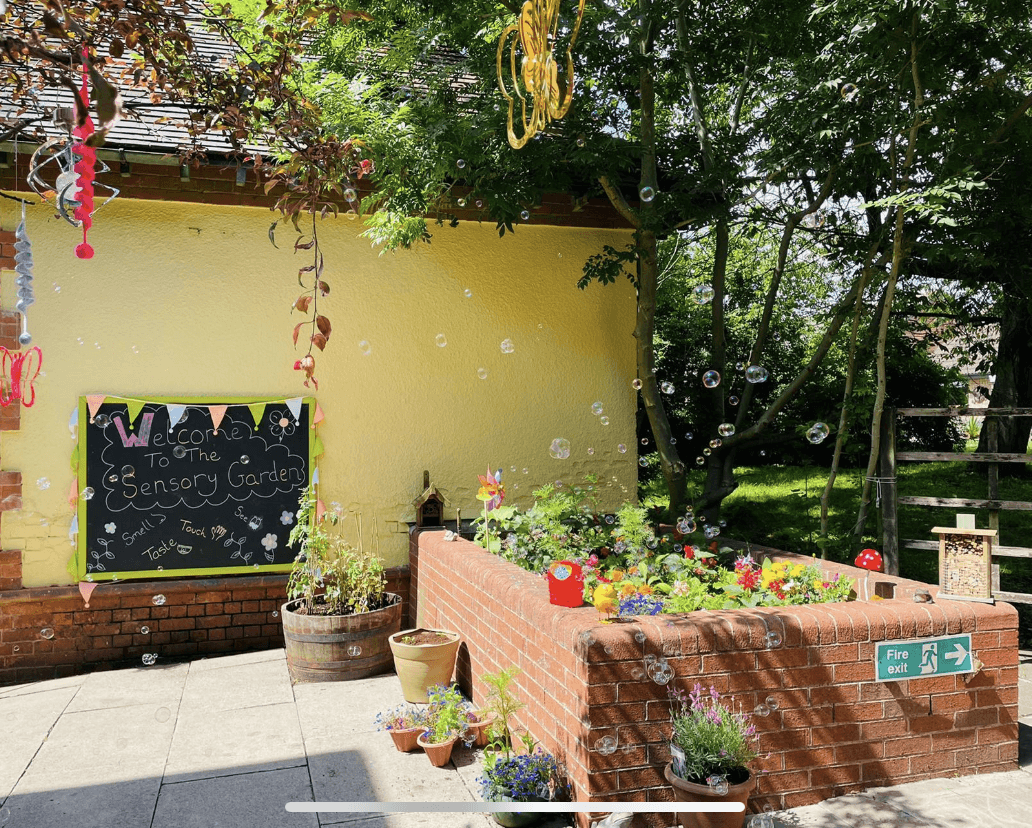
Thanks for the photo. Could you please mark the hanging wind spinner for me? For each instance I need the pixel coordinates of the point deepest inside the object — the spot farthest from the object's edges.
(536, 33)
(18, 370)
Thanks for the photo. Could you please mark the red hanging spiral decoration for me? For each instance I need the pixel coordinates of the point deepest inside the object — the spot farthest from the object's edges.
(85, 166)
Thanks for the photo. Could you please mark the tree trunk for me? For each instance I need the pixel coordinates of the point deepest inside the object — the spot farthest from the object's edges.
(1013, 386)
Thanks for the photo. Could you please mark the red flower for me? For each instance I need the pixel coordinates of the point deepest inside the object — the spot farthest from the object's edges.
(778, 588)
(749, 578)
(689, 552)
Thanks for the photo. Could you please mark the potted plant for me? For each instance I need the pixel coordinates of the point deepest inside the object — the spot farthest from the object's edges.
(711, 747)
(338, 614)
(423, 658)
(446, 720)
(525, 777)
(404, 723)
(502, 704)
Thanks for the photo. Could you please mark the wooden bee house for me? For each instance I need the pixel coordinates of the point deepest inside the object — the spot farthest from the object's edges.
(966, 563)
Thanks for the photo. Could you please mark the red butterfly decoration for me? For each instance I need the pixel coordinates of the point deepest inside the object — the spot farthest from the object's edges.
(17, 372)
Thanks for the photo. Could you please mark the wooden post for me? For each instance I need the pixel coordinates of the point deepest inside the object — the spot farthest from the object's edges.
(887, 473)
(991, 424)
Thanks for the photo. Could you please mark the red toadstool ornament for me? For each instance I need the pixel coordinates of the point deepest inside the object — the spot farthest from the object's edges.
(871, 560)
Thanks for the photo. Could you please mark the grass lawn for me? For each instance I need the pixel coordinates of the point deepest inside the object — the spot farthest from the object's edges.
(779, 506)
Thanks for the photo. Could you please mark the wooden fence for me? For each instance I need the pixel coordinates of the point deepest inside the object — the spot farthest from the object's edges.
(886, 480)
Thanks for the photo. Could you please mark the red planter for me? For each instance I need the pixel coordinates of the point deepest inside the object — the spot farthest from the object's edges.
(691, 792)
(438, 753)
(405, 739)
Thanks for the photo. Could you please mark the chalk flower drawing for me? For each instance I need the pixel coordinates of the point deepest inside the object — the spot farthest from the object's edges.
(109, 528)
(281, 424)
(286, 518)
(270, 541)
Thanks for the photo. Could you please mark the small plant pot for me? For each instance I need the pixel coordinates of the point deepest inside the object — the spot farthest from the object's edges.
(405, 739)
(439, 753)
(420, 666)
(518, 819)
(482, 728)
(685, 791)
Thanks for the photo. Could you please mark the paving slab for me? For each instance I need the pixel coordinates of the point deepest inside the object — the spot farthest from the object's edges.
(345, 706)
(238, 659)
(161, 686)
(40, 686)
(250, 800)
(80, 802)
(237, 686)
(228, 742)
(25, 721)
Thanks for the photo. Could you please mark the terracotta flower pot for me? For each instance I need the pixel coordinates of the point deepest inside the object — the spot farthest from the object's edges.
(691, 792)
(405, 738)
(482, 728)
(438, 752)
(420, 666)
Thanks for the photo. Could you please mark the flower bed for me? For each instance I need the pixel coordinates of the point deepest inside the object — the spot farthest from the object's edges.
(834, 731)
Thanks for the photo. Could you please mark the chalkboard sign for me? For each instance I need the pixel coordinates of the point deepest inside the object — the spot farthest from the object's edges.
(163, 492)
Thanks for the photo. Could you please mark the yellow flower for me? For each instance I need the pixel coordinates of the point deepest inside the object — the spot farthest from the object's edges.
(645, 589)
(798, 570)
(616, 575)
(626, 589)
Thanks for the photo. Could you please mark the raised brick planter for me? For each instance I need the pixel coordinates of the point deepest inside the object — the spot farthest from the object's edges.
(836, 731)
(201, 616)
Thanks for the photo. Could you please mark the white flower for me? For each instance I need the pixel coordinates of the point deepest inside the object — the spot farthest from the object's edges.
(109, 528)
(286, 518)
(270, 542)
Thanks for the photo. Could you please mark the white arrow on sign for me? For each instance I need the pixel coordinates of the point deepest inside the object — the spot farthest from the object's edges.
(958, 655)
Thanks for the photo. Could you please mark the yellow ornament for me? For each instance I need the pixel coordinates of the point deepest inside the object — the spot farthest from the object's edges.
(539, 72)
(604, 598)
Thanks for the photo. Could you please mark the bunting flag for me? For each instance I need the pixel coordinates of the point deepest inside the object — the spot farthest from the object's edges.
(217, 413)
(75, 459)
(257, 412)
(135, 407)
(73, 421)
(315, 476)
(86, 590)
(175, 414)
(295, 408)
(73, 494)
(318, 416)
(317, 447)
(320, 510)
(73, 528)
(95, 401)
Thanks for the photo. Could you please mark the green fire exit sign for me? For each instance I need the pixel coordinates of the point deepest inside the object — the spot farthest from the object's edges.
(900, 660)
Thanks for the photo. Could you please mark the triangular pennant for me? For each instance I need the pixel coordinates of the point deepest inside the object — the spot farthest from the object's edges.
(86, 590)
(315, 476)
(73, 421)
(217, 413)
(73, 565)
(317, 447)
(295, 408)
(75, 459)
(94, 402)
(318, 416)
(175, 414)
(135, 407)
(74, 527)
(320, 510)
(73, 494)
(257, 412)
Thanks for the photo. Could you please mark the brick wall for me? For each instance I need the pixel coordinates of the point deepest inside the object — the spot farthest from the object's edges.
(835, 730)
(201, 616)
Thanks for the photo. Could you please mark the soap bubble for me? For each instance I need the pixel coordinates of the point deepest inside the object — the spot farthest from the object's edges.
(636, 384)
(179, 452)
(587, 639)
(591, 451)
(525, 215)
(441, 340)
(47, 633)
(711, 379)
(848, 91)
(647, 193)
(144, 630)
(102, 420)
(43, 483)
(688, 436)
(686, 526)
(732, 400)
(621, 448)
(644, 441)
(87, 493)
(461, 163)
(604, 420)
(639, 637)
(608, 650)
(818, 433)
(711, 532)
(756, 373)
(702, 294)
(482, 373)
(610, 519)
(354, 651)
(725, 429)
(162, 714)
(560, 448)
(128, 471)
(479, 203)
(673, 441)
(606, 745)
(718, 784)
(650, 659)
(112, 478)
(507, 346)
(722, 523)
(772, 703)
(275, 613)
(461, 202)
(365, 347)
(773, 639)
(350, 195)
(761, 710)
(596, 408)
(716, 442)
(467, 292)
(637, 674)
(667, 388)
(158, 600)
(149, 659)
(643, 462)
(700, 461)
(580, 141)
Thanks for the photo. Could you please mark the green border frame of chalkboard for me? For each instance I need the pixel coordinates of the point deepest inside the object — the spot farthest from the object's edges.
(82, 505)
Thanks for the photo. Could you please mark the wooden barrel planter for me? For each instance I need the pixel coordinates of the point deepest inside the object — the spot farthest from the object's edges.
(339, 647)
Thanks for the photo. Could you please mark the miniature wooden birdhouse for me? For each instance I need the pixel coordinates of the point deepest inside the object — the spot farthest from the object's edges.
(430, 504)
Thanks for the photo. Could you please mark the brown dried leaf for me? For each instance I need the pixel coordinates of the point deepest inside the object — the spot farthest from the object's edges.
(324, 288)
(116, 48)
(303, 302)
(324, 325)
(319, 341)
(297, 330)
(272, 234)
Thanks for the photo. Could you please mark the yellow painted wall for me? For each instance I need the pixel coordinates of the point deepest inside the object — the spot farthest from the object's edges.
(184, 300)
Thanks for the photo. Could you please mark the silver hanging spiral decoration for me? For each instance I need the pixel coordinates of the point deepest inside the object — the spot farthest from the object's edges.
(23, 267)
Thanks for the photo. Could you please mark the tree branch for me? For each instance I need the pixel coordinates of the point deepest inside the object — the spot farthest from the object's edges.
(619, 202)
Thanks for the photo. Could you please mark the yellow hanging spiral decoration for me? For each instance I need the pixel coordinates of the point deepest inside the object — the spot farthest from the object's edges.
(535, 32)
